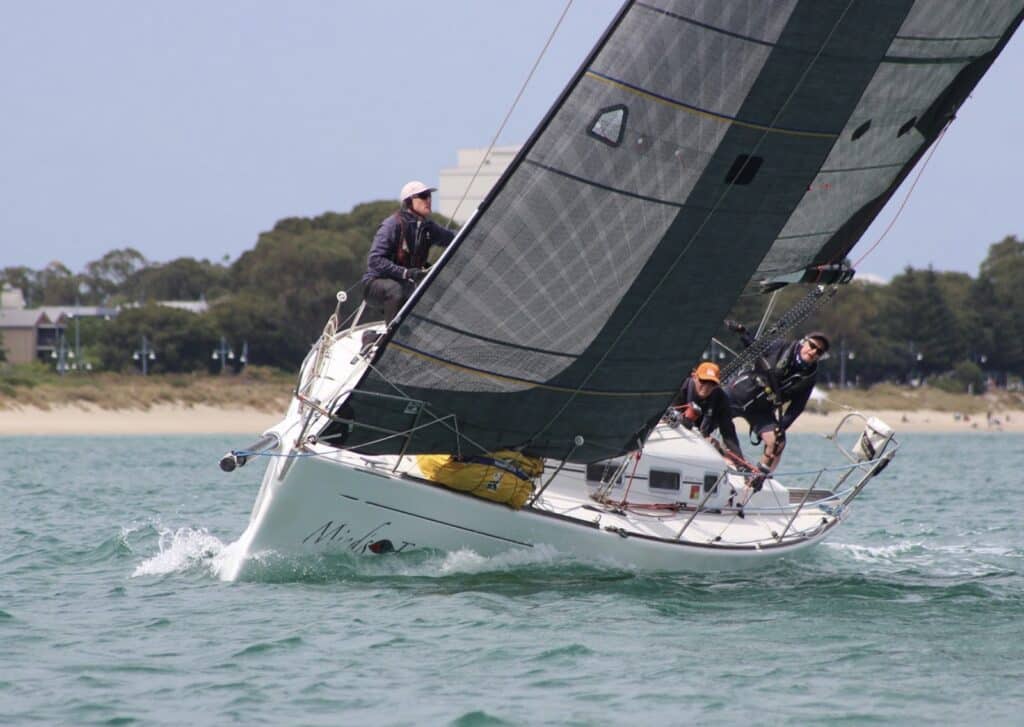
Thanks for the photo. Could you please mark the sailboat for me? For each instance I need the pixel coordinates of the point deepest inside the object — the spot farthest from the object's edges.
(703, 151)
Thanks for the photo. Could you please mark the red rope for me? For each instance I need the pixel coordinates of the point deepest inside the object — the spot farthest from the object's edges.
(906, 199)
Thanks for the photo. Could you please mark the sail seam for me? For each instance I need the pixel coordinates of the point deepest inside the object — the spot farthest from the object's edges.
(516, 380)
(868, 168)
(829, 56)
(946, 39)
(808, 234)
(643, 93)
(486, 339)
(599, 185)
(706, 26)
(946, 60)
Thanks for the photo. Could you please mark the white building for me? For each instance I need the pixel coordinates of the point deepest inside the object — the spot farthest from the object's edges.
(459, 194)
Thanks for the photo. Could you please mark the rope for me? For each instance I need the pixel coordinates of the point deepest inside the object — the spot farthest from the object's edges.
(512, 108)
(802, 310)
(906, 199)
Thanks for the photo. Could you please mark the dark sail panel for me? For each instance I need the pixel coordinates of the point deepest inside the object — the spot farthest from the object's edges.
(937, 57)
(680, 163)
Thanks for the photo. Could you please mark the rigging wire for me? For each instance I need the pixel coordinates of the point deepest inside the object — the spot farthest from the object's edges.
(906, 199)
(512, 108)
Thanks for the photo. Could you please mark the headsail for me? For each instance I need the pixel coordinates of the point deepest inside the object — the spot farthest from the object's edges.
(702, 147)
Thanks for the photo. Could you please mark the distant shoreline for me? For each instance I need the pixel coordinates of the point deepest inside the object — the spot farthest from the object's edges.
(162, 419)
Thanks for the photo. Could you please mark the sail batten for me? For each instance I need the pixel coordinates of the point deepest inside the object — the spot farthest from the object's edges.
(705, 148)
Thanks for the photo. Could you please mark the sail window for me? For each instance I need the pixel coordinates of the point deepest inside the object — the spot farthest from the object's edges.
(609, 125)
(861, 130)
(662, 480)
(906, 127)
(743, 170)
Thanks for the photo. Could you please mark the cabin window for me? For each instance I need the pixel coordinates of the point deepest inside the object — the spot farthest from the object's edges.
(609, 125)
(906, 127)
(603, 471)
(661, 480)
(710, 479)
(861, 130)
(743, 170)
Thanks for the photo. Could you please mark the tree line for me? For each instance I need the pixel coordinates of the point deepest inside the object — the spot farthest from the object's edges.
(923, 324)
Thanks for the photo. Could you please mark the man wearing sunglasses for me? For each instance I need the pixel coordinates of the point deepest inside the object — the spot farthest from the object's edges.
(772, 393)
(398, 255)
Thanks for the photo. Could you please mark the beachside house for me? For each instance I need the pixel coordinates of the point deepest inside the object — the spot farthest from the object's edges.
(29, 335)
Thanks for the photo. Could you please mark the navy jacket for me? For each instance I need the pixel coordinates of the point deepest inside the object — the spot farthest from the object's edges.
(403, 241)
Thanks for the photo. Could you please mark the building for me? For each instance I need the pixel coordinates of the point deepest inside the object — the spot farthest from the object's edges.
(28, 335)
(459, 194)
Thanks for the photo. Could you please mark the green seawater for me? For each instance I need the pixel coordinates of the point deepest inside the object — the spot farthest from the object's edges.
(112, 611)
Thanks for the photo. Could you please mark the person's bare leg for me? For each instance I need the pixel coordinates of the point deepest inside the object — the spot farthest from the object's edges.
(773, 446)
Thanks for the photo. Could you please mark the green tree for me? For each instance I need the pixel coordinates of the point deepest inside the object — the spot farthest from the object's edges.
(104, 277)
(298, 267)
(25, 279)
(181, 279)
(181, 340)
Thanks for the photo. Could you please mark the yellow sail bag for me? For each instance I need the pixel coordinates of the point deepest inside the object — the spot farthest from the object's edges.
(503, 476)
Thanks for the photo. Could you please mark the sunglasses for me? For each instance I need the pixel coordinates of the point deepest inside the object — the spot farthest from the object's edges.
(422, 195)
(815, 347)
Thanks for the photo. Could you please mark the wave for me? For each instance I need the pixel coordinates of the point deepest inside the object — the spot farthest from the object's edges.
(182, 550)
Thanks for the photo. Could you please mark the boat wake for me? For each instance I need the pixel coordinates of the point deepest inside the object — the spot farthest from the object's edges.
(182, 550)
(945, 562)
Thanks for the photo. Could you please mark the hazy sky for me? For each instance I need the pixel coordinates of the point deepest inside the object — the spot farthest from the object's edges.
(186, 128)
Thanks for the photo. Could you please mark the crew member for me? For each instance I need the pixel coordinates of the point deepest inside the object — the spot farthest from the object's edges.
(702, 404)
(773, 392)
(398, 255)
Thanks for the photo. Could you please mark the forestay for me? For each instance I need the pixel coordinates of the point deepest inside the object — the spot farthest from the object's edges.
(703, 148)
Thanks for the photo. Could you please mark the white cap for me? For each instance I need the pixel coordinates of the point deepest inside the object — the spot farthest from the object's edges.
(411, 189)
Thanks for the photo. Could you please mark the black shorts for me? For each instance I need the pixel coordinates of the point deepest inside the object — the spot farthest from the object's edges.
(760, 420)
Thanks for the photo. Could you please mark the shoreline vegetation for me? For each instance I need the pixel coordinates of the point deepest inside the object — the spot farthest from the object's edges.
(33, 403)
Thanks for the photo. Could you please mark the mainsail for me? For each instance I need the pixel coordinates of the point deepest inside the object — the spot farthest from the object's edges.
(704, 147)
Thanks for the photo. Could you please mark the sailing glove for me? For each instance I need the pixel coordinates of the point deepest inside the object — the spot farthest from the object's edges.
(413, 274)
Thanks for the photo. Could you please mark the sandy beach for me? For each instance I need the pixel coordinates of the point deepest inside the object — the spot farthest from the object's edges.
(160, 419)
(179, 419)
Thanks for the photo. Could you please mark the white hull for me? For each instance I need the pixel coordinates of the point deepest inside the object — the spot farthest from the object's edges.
(319, 499)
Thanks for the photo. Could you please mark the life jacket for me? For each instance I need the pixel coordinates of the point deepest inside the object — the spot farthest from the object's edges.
(775, 386)
(414, 255)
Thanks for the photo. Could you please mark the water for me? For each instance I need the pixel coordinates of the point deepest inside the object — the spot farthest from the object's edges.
(112, 611)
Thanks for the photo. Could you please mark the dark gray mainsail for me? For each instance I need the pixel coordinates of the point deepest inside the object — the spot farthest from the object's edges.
(704, 147)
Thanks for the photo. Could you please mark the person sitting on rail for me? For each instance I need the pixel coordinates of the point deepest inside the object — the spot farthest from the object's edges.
(398, 255)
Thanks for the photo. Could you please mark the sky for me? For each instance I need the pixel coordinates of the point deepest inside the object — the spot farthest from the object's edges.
(187, 128)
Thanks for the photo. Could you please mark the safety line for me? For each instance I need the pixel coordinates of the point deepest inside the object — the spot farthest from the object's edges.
(501, 127)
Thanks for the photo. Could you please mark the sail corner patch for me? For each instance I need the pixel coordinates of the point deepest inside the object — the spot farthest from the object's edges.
(609, 125)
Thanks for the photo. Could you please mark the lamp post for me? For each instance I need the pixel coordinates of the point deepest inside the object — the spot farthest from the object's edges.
(144, 355)
(62, 354)
(222, 354)
(844, 356)
(244, 358)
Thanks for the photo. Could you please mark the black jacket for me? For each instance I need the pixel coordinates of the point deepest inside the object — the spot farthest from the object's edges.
(785, 381)
(715, 414)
